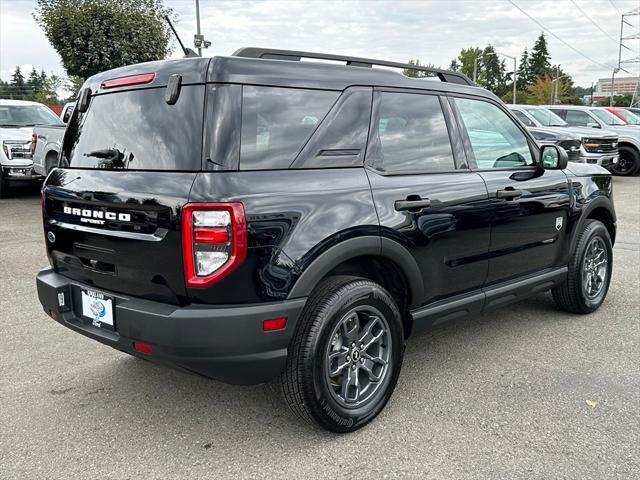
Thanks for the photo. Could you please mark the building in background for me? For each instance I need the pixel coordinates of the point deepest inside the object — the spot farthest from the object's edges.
(621, 86)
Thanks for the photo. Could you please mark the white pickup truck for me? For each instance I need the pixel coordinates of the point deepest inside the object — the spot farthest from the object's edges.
(47, 140)
(17, 120)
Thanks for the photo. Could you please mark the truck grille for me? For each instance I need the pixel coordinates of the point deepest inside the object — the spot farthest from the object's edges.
(600, 145)
(19, 150)
(572, 147)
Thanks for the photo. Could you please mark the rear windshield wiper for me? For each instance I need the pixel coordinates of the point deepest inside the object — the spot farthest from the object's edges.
(111, 158)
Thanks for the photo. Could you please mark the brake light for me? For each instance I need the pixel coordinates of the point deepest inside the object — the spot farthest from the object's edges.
(128, 80)
(34, 141)
(214, 241)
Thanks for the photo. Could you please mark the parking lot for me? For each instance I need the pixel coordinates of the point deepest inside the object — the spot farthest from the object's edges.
(523, 392)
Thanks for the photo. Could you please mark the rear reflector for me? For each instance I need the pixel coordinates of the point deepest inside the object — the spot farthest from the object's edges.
(142, 347)
(274, 324)
(128, 81)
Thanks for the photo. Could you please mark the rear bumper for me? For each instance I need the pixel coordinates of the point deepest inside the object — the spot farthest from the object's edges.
(20, 174)
(226, 343)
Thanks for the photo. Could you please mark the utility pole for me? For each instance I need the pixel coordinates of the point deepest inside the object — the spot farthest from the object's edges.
(635, 36)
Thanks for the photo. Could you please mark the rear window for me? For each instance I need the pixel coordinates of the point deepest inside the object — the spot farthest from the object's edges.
(137, 130)
(277, 122)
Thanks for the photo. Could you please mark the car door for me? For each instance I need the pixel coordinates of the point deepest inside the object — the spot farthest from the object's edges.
(425, 196)
(530, 205)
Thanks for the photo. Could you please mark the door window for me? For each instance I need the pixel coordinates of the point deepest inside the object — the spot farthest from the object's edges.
(496, 140)
(577, 118)
(410, 134)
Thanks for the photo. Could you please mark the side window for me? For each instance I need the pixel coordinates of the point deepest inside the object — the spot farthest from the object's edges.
(523, 118)
(277, 122)
(496, 140)
(578, 118)
(410, 134)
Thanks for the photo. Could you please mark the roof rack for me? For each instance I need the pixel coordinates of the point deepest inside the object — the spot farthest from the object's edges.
(296, 56)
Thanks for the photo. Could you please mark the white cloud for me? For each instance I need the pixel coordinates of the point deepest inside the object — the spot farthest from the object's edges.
(433, 31)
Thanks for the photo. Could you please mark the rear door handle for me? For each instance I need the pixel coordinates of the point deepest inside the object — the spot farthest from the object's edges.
(508, 193)
(412, 205)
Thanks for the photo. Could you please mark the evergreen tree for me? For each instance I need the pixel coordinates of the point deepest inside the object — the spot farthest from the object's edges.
(539, 64)
(454, 66)
(467, 59)
(493, 71)
(17, 84)
(524, 74)
(416, 73)
(34, 84)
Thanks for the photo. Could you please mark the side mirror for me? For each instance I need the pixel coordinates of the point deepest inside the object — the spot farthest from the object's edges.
(553, 157)
(593, 125)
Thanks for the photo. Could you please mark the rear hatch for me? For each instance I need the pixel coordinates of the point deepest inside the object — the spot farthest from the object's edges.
(129, 163)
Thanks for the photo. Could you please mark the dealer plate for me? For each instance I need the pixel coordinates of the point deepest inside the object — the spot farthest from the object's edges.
(98, 308)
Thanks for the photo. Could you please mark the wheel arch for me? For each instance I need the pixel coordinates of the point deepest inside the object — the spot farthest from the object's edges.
(382, 260)
(600, 209)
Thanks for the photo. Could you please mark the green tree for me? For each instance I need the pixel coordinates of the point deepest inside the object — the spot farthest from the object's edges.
(467, 59)
(409, 72)
(48, 92)
(454, 65)
(524, 73)
(96, 35)
(539, 60)
(493, 75)
(34, 84)
(17, 85)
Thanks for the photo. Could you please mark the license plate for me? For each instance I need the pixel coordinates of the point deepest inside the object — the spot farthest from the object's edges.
(98, 308)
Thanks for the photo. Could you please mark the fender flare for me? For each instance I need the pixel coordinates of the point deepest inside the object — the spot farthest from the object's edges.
(598, 202)
(358, 247)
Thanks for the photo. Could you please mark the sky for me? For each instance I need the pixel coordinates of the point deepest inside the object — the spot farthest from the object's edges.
(432, 30)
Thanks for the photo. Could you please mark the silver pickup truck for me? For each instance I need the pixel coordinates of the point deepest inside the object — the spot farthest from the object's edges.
(17, 120)
(46, 142)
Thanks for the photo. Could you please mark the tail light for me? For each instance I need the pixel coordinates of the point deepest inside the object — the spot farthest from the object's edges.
(214, 241)
(34, 142)
(128, 81)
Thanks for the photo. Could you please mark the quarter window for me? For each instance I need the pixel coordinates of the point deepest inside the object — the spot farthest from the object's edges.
(277, 122)
(410, 134)
(496, 140)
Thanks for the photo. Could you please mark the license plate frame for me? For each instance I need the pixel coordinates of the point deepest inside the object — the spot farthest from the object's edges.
(98, 308)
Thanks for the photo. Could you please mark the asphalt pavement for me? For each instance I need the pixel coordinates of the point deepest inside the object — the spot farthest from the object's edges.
(523, 392)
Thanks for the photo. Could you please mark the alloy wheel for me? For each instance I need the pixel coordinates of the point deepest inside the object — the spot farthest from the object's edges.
(594, 268)
(358, 357)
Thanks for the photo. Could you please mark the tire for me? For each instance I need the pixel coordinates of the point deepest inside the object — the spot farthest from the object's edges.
(628, 162)
(323, 342)
(578, 294)
(4, 186)
(50, 162)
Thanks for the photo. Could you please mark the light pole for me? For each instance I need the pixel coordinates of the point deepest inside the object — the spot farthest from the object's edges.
(198, 39)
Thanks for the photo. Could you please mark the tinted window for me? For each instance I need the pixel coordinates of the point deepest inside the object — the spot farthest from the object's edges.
(341, 138)
(410, 134)
(546, 117)
(137, 130)
(523, 118)
(496, 140)
(276, 123)
(578, 118)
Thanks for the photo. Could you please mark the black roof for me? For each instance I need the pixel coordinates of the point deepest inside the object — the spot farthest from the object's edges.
(252, 66)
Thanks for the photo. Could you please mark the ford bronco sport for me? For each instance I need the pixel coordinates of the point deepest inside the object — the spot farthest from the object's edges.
(259, 217)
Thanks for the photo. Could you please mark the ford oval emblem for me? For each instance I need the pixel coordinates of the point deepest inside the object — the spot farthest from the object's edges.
(51, 237)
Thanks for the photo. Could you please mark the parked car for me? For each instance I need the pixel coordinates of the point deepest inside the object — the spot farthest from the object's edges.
(17, 119)
(256, 217)
(600, 148)
(625, 115)
(634, 110)
(46, 141)
(599, 118)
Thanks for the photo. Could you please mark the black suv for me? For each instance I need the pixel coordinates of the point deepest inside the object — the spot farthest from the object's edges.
(256, 216)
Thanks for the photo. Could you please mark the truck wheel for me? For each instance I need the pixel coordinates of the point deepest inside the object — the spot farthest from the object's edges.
(346, 354)
(4, 186)
(589, 274)
(628, 162)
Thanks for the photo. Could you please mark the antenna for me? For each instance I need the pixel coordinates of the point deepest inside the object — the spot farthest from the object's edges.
(187, 51)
